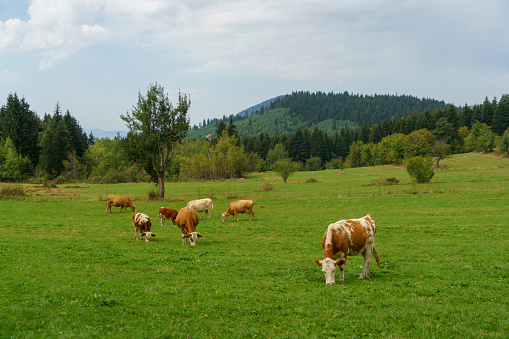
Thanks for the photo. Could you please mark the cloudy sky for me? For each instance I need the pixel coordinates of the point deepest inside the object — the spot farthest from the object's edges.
(94, 56)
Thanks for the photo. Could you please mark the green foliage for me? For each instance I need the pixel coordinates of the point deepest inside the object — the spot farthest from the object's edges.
(199, 160)
(22, 126)
(107, 162)
(13, 167)
(285, 168)
(314, 164)
(267, 186)
(419, 143)
(155, 128)
(481, 138)
(276, 153)
(504, 141)
(420, 169)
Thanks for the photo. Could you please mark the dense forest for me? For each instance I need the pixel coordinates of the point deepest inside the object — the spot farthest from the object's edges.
(313, 130)
(330, 112)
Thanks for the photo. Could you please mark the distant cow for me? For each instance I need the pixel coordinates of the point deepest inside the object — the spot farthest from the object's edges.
(187, 220)
(202, 205)
(119, 201)
(348, 237)
(167, 213)
(239, 206)
(142, 223)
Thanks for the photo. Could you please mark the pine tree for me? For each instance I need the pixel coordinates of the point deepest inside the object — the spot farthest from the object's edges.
(22, 126)
(56, 144)
(500, 121)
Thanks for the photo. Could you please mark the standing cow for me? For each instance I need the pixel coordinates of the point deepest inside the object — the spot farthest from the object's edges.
(202, 205)
(119, 201)
(167, 213)
(187, 220)
(344, 238)
(142, 223)
(239, 206)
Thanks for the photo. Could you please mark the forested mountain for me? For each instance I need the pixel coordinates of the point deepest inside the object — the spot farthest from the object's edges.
(330, 112)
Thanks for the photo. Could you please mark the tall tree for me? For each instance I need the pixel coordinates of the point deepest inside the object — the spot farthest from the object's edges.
(500, 120)
(22, 126)
(155, 128)
(56, 144)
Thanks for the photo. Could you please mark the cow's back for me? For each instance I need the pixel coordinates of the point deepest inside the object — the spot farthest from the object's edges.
(187, 218)
(351, 236)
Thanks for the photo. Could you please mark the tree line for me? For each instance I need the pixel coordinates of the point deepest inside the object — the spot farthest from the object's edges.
(56, 148)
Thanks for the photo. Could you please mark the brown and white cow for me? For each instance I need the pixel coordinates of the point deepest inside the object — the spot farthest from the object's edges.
(187, 220)
(344, 238)
(202, 205)
(119, 201)
(167, 213)
(239, 206)
(142, 223)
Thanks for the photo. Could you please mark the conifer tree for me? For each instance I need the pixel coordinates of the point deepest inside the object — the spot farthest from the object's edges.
(500, 120)
(22, 126)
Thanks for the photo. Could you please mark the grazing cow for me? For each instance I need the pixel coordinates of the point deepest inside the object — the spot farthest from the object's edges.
(202, 205)
(187, 220)
(142, 223)
(348, 237)
(167, 213)
(239, 206)
(119, 201)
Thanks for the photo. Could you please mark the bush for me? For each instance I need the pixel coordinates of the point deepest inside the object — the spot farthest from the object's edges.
(420, 169)
(267, 186)
(12, 193)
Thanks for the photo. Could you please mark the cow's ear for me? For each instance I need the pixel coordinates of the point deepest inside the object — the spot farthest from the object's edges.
(199, 235)
(318, 262)
(186, 236)
(143, 234)
(153, 235)
(340, 262)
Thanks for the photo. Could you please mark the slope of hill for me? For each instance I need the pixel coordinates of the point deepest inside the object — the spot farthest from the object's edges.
(329, 111)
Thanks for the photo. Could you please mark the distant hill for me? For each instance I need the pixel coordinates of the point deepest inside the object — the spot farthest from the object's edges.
(329, 111)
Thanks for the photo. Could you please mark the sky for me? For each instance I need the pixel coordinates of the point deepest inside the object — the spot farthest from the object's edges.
(94, 57)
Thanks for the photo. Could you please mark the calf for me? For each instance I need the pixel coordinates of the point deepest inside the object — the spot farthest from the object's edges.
(187, 220)
(142, 223)
(239, 206)
(167, 213)
(119, 201)
(202, 205)
(348, 237)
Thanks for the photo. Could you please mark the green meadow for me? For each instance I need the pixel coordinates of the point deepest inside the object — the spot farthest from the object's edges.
(69, 270)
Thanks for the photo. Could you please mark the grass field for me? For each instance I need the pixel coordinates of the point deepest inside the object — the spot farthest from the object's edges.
(67, 269)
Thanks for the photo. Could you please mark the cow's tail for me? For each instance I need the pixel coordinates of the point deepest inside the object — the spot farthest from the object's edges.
(259, 204)
(375, 254)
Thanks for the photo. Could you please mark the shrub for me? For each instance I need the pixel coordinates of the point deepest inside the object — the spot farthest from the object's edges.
(420, 169)
(311, 180)
(267, 186)
(153, 194)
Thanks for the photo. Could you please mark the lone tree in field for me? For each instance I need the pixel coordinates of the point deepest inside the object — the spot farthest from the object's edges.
(155, 128)
(285, 168)
(420, 169)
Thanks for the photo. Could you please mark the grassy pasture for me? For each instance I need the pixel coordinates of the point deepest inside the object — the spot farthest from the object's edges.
(67, 269)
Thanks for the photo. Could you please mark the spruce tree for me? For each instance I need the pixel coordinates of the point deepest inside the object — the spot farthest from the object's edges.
(500, 121)
(22, 126)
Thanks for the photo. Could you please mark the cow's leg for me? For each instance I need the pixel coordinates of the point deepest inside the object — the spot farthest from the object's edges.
(367, 258)
(135, 233)
(184, 240)
(162, 220)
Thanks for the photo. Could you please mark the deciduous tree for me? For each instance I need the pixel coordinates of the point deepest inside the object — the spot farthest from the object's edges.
(155, 127)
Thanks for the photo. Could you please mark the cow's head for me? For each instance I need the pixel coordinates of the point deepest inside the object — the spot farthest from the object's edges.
(329, 268)
(147, 235)
(133, 208)
(224, 216)
(193, 236)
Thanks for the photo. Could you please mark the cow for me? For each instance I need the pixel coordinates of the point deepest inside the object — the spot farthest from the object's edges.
(119, 201)
(344, 238)
(239, 206)
(202, 205)
(167, 213)
(142, 223)
(187, 220)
